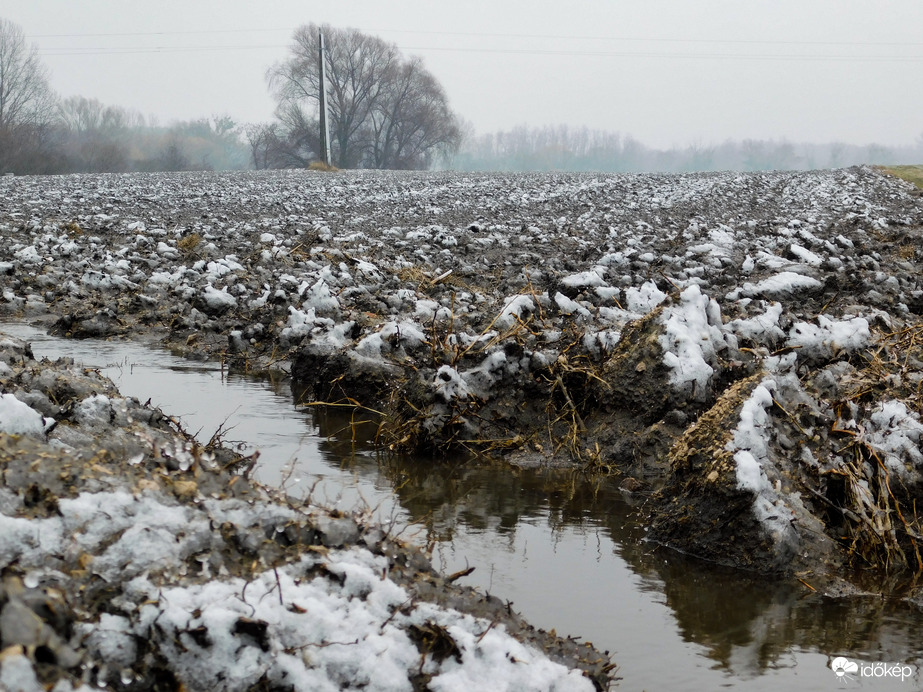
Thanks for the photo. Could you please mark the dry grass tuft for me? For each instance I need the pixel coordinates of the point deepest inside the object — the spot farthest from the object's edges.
(879, 531)
(426, 281)
(189, 243)
(907, 252)
(912, 174)
(879, 512)
(413, 274)
(547, 412)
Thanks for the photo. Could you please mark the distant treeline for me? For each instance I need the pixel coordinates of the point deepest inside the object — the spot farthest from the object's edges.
(385, 111)
(563, 148)
(85, 136)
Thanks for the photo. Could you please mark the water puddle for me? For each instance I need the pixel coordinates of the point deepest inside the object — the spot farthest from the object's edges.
(565, 550)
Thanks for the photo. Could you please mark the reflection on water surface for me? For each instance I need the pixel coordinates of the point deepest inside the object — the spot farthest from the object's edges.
(568, 551)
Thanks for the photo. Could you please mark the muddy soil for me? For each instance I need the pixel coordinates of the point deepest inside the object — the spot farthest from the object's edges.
(742, 349)
(108, 506)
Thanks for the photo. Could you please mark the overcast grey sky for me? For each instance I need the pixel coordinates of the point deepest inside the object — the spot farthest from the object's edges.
(668, 72)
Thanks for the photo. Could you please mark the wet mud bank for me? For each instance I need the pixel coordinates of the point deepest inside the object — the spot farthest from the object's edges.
(135, 558)
(742, 349)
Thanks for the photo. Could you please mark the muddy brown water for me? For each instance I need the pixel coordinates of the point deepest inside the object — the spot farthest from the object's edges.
(567, 551)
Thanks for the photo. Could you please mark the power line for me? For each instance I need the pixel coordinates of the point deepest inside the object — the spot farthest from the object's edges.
(155, 33)
(666, 40)
(636, 54)
(128, 50)
(635, 39)
(136, 50)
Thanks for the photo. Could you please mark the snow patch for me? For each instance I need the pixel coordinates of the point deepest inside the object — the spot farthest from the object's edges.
(762, 329)
(18, 418)
(393, 336)
(749, 443)
(644, 299)
(691, 339)
(781, 285)
(896, 431)
(587, 279)
(806, 255)
(321, 299)
(218, 301)
(570, 307)
(520, 306)
(449, 385)
(829, 337)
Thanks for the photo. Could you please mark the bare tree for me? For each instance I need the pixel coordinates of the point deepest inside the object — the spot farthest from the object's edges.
(356, 68)
(93, 137)
(260, 137)
(25, 97)
(27, 104)
(299, 139)
(412, 121)
(172, 156)
(383, 111)
(80, 114)
(701, 157)
(273, 147)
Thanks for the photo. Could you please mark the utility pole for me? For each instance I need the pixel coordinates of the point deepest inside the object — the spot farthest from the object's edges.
(324, 129)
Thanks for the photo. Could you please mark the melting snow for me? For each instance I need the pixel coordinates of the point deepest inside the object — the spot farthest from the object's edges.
(781, 285)
(750, 445)
(691, 339)
(17, 418)
(829, 337)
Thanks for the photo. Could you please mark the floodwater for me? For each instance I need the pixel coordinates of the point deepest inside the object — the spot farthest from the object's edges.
(567, 551)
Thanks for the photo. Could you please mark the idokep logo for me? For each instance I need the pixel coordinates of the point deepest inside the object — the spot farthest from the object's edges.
(847, 670)
(844, 668)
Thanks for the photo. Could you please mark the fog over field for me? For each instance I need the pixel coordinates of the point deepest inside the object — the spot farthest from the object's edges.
(608, 309)
(653, 87)
(735, 353)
